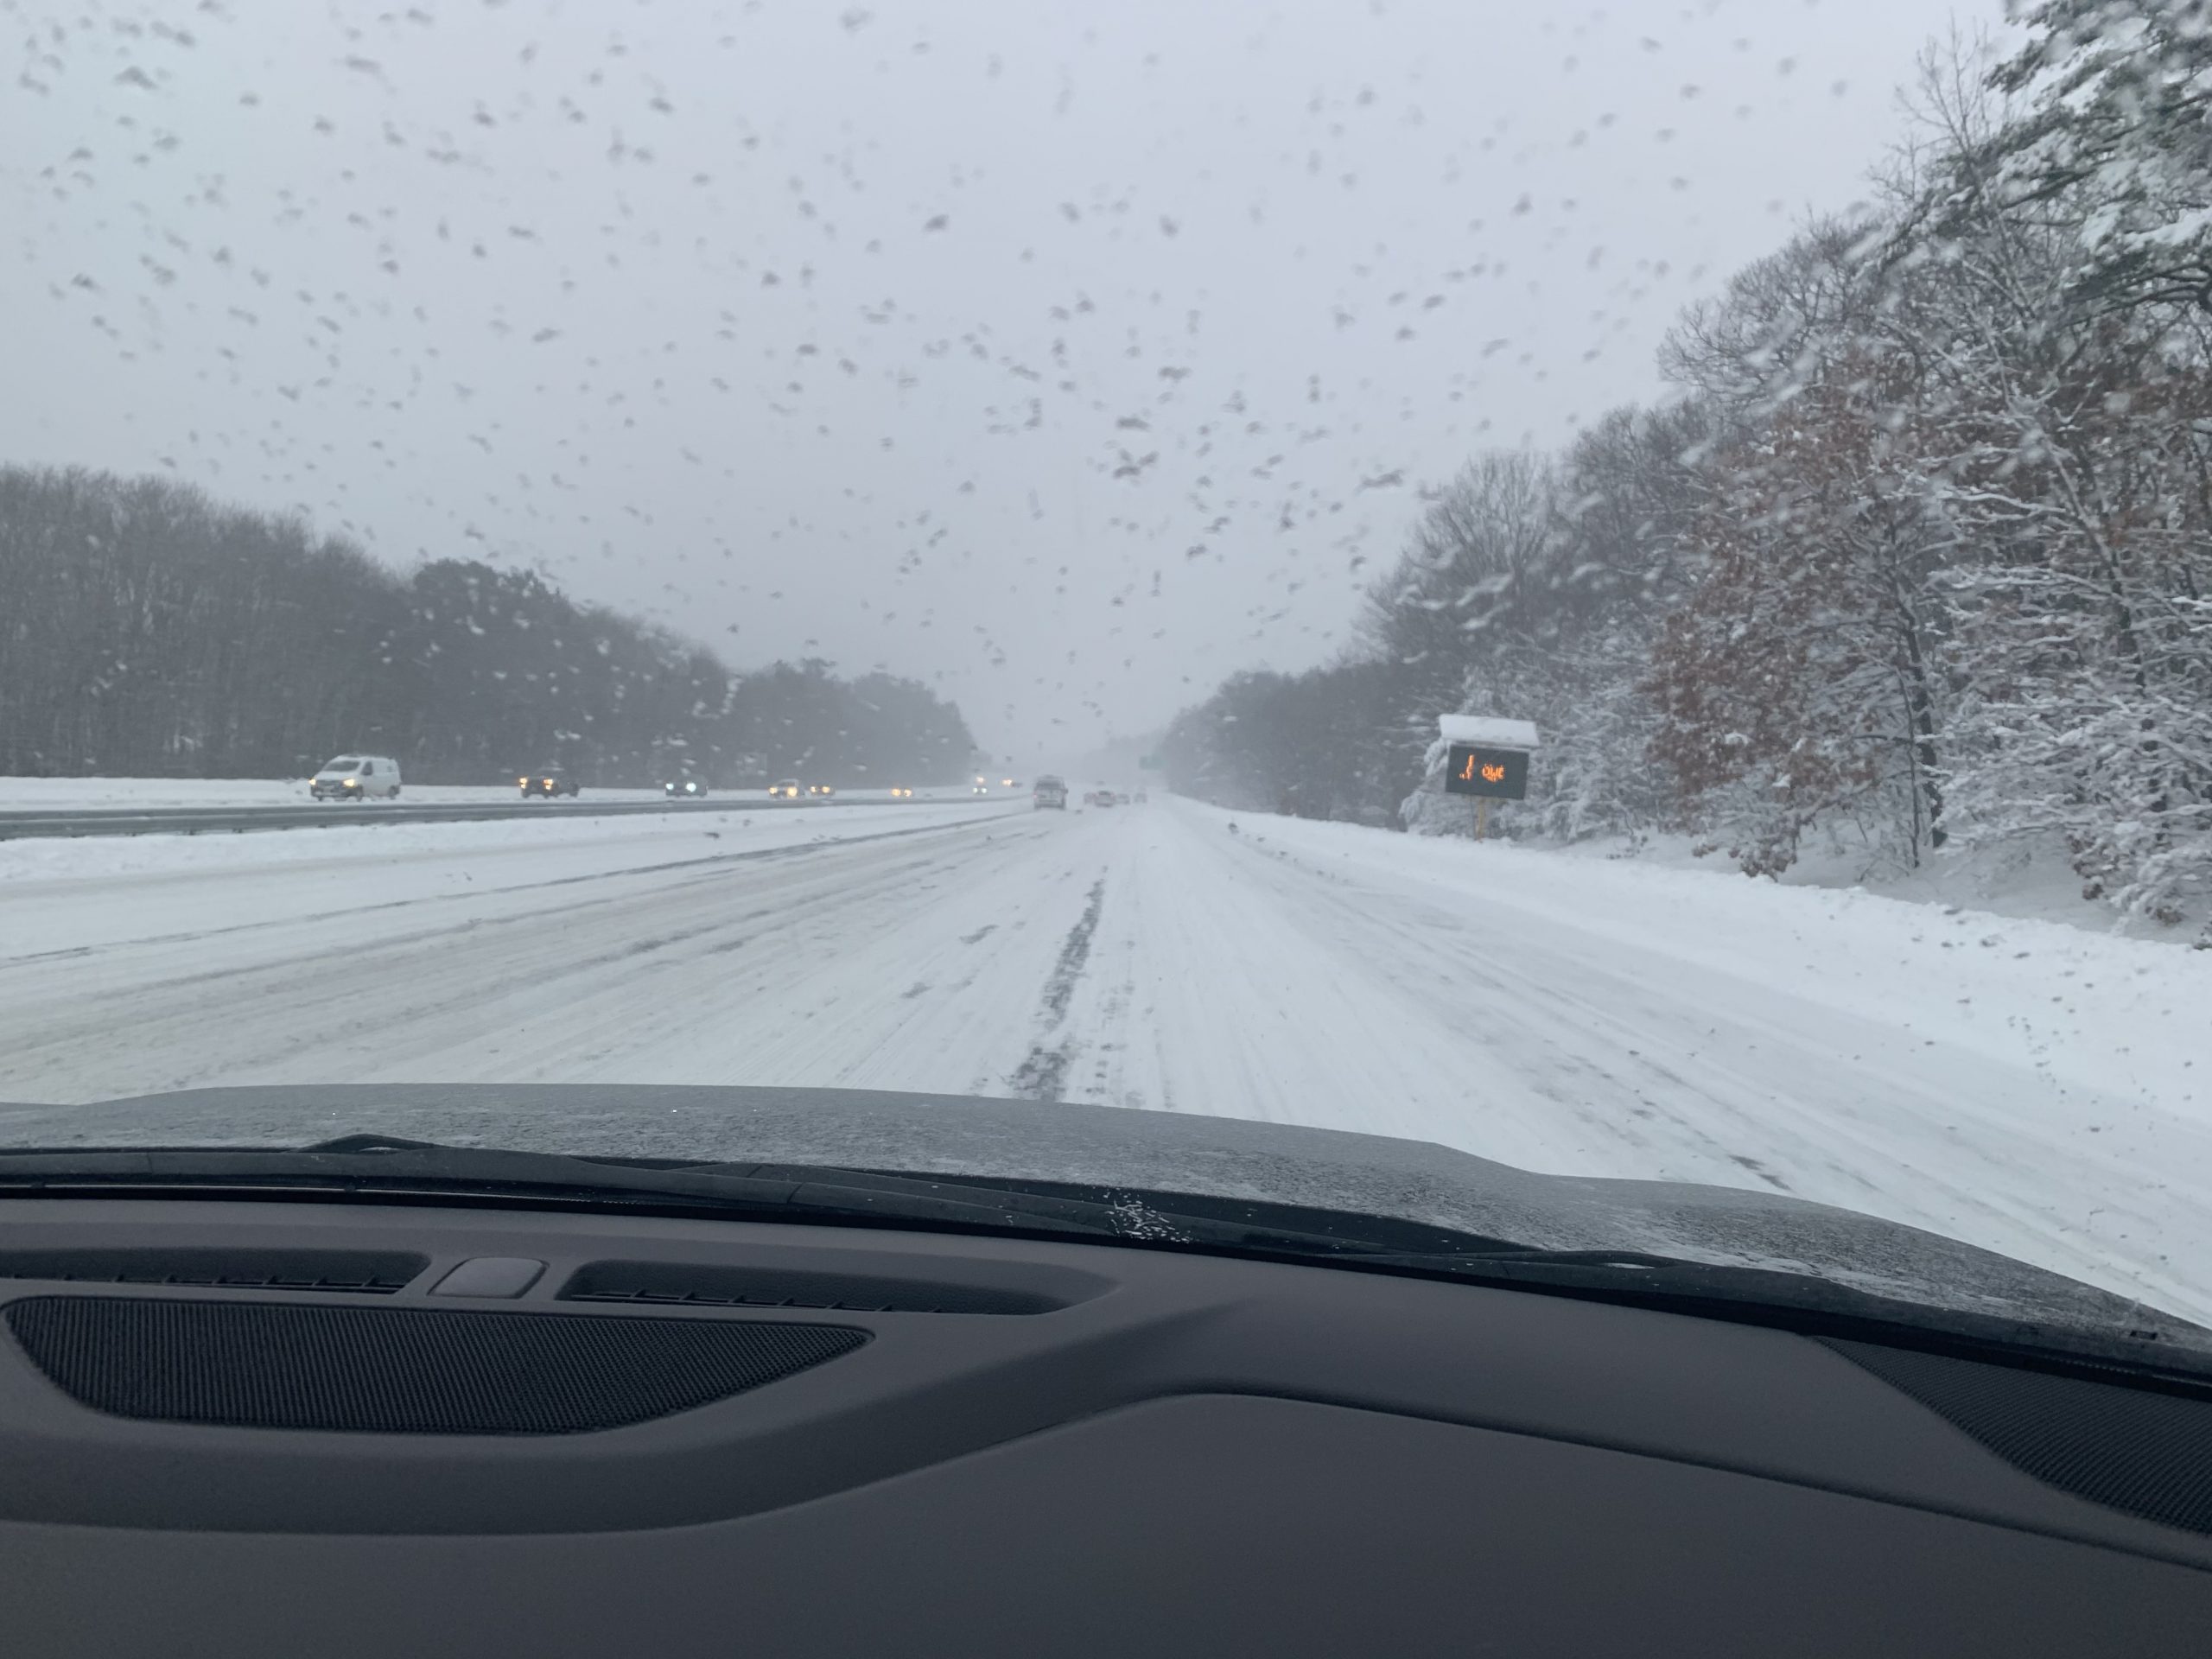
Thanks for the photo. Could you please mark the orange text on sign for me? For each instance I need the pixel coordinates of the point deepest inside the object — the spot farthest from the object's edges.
(1493, 772)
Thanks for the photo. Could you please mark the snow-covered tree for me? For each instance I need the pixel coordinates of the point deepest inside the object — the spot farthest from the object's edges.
(1920, 545)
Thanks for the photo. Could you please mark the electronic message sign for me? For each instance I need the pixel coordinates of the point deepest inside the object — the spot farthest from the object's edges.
(1491, 773)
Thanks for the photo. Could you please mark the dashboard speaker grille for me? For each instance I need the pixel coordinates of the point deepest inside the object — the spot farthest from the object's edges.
(2146, 1453)
(396, 1370)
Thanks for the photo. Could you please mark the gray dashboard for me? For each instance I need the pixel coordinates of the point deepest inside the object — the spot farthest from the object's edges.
(946, 1443)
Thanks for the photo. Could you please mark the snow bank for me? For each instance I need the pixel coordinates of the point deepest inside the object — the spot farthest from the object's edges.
(2096, 1008)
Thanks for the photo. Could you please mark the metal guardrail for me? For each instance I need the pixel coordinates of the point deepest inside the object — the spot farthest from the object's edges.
(239, 820)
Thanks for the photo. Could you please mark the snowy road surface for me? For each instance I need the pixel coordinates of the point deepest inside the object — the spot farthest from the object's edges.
(2035, 1089)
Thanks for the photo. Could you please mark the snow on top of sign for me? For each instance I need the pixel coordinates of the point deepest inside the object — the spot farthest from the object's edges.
(1481, 729)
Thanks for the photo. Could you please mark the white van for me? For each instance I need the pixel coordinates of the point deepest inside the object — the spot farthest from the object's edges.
(356, 777)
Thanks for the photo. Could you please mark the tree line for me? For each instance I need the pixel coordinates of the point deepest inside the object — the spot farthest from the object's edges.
(147, 631)
(1918, 552)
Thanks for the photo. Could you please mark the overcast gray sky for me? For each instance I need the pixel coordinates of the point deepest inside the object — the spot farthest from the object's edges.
(1066, 356)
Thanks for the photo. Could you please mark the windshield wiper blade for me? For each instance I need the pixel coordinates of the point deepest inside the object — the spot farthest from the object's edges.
(393, 1168)
(1126, 1215)
(1781, 1293)
(1813, 1303)
(381, 1169)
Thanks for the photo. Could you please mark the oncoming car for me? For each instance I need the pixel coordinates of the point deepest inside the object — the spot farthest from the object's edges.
(355, 778)
(900, 792)
(786, 789)
(686, 788)
(546, 782)
(821, 791)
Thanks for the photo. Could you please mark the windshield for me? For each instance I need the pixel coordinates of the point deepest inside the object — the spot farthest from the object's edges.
(1625, 594)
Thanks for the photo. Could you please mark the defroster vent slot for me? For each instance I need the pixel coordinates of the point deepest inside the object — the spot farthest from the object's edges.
(374, 1273)
(686, 1284)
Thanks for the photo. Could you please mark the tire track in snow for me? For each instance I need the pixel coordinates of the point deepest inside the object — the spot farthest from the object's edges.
(191, 1023)
(1044, 1068)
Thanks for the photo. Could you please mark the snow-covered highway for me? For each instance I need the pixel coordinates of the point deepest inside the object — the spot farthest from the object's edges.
(2025, 1086)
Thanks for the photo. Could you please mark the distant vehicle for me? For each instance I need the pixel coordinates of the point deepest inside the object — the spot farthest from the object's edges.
(788, 788)
(1050, 792)
(690, 787)
(547, 781)
(981, 788)
(820, 789)
(1099, 798)
(1008, 783)
(355, 778)
(900, 792)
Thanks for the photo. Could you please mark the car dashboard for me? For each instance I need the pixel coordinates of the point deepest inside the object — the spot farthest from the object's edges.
(344, 1428)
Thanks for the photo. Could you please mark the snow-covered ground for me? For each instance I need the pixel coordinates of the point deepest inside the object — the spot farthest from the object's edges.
(2023, 880)
(2034, 1088)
